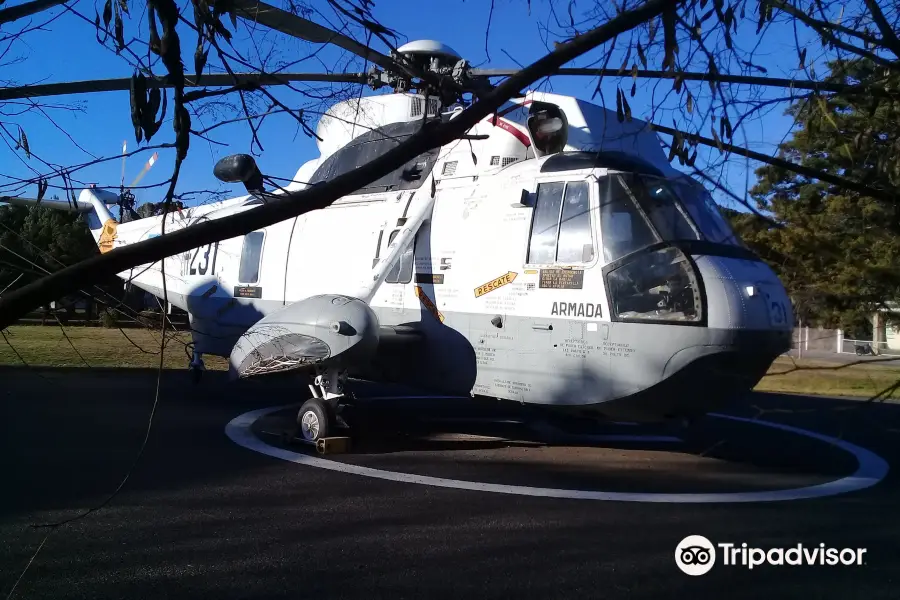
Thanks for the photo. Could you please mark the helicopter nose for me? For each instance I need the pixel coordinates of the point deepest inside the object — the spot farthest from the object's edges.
(746, 299)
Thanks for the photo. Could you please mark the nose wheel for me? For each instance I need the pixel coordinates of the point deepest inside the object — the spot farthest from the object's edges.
(321, 416)
(315, 420)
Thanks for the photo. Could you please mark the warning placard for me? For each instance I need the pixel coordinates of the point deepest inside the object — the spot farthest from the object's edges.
(562, 279)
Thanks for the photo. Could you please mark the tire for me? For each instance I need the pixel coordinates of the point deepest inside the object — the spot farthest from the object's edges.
(315, 420)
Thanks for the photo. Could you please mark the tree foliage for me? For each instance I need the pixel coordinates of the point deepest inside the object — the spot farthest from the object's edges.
(837, 251)
(37, 240)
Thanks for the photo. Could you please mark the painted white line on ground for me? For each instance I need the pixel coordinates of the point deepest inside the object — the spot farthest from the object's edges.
(871, 470)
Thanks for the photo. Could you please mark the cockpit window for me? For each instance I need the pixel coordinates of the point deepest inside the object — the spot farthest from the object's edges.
(656, 286)
(663, 208)
(705, 213)
(637, 211)
(623, 227)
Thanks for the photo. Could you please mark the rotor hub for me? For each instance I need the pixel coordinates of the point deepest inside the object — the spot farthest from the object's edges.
(429, 54)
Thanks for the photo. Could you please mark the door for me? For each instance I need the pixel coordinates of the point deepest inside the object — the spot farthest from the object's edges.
(562, 339)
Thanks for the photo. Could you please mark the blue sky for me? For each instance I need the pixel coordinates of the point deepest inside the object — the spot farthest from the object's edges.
(67, 50)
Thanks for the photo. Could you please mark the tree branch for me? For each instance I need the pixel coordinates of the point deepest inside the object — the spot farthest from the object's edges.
(824, 31)
(887, 33)
(778, 162)
(14, 13)
(817, 24)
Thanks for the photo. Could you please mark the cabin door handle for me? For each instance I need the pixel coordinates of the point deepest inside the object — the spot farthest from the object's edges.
(542, 327)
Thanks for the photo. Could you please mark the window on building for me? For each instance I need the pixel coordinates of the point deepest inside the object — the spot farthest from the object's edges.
(251, 254)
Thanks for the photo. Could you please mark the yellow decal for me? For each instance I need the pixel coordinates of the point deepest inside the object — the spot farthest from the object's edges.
(494, 284)
(427, 303)
(107, 235)
(531, 271)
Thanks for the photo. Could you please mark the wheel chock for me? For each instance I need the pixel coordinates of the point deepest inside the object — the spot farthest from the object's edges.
(333, 445)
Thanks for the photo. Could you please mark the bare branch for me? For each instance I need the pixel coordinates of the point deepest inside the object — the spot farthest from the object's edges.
(778, 162)
(887, 32)
(14, 13)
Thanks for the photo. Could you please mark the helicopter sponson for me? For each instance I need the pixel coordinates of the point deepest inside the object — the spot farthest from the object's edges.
(327, 329)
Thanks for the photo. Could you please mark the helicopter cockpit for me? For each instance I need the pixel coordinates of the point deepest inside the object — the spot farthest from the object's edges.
(647, 224)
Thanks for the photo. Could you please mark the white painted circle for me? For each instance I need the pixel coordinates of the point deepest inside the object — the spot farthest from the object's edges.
(871, 470)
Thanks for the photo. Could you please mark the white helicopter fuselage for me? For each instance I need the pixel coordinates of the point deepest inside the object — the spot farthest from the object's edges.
(597, 289)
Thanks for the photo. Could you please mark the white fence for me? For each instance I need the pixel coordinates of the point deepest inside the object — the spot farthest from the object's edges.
(818, 340)
(864, 347)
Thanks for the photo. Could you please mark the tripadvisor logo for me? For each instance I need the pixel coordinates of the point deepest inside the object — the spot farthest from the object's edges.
(696, 555)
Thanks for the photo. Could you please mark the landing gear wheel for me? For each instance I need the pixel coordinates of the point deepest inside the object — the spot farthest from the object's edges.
(196, 375)
(315, 420)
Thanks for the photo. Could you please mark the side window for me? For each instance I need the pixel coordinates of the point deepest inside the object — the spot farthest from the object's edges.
(576, 241)
(251, 254)
(561, 225)
(545, 224)
(401, 271)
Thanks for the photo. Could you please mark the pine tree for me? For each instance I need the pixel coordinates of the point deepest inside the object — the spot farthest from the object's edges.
(838, 252)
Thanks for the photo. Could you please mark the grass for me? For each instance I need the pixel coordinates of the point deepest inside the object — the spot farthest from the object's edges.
(100, 347)
(806, 376)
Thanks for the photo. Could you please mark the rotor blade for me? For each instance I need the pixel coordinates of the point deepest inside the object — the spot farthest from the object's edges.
(146, 168)
(291, 24)
(803, 84)
(64, 205)
(14, 13)
(124, 84)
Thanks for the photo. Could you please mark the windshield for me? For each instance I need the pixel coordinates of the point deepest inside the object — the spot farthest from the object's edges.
(705, 212)
(661, 206)
(637, 211)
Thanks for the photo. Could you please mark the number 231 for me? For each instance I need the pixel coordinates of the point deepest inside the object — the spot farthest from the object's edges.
(202, 266)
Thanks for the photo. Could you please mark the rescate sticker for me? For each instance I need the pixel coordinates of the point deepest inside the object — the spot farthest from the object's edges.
(494, 284)
(108, 236)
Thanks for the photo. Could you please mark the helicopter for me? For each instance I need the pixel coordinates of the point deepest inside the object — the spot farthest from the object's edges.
(551, 257)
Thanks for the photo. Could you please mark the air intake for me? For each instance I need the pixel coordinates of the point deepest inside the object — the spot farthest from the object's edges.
(416, 105)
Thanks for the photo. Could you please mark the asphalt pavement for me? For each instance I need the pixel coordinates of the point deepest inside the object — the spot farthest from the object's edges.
(433, 509)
